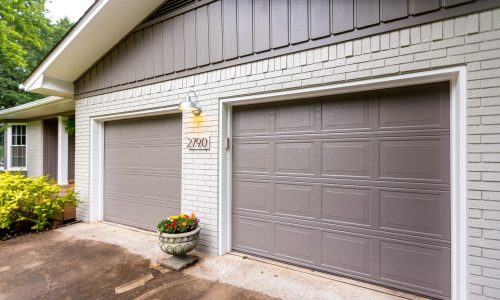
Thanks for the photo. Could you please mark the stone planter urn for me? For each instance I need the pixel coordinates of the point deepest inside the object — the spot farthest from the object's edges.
(178, 245)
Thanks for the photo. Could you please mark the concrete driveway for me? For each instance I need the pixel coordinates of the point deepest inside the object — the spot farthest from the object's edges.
(103, 261)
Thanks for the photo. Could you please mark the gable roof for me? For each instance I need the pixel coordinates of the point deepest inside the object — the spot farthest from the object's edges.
(98, 30)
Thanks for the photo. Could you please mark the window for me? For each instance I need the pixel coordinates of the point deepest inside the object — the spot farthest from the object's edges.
(18, 146)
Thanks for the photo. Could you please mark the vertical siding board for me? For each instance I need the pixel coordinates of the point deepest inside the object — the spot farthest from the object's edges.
(342, 15)
(123, 62)
(299, 31)
(367, 13)
(190, 39)
(178, 43)
(100, 75)
(320, 18)
(148, 52)
(107, 71)
(279, 23)
(215, 31)
(87, 82)
(261, 25)
(394, 9)
(168, 47)
(158, 49)
(115, 78)
(245, 27)
(130, 68)
(202, 52)
(422, 6)
(139, 53)
(93, 78)
(81, 85)
(230, 37)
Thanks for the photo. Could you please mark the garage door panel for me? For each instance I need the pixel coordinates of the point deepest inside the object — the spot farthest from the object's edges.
(349, 205)
(253, 157)
(297, 243)
(256, 236)
(414, 266)
(425, 213)
(346, 252)
(414, 159)
(363, 180)
(346, 112)
(413, 107)
(142, 172)
(254, 120)
(298, 200)
(346, 158)
(253, 195)
(298, 158)
(295, 117)
(165, 157)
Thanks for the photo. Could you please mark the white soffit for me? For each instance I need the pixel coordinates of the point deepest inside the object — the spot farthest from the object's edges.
(102, 26)
(39, 108)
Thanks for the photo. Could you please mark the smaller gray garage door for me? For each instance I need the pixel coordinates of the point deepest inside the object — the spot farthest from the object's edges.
(142, 170)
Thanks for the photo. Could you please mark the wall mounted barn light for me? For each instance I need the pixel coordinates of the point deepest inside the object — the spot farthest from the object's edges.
(189, 105)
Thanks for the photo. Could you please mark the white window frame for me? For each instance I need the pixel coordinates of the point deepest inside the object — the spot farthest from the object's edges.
(456, 76)
(8, 157)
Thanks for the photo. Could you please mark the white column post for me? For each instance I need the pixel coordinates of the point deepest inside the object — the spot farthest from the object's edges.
(62, 151)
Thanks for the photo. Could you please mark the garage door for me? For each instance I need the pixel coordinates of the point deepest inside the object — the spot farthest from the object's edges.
(357, 185)
(142, 170)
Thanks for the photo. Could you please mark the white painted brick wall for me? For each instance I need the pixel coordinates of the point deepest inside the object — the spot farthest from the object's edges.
(34, 162)
(472, 40)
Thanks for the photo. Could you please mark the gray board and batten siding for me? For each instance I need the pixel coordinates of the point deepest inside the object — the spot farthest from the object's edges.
(356, 184)
(208, 35)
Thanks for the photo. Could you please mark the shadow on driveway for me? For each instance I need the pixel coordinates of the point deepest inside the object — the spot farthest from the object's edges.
(52, 265)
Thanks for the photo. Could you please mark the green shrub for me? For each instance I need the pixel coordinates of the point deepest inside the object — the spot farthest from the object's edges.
(34, 200)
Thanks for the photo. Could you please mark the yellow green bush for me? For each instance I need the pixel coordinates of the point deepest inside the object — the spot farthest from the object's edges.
(35, 200)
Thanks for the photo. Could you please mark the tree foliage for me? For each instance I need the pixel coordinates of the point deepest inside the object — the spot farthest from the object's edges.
(26, 36)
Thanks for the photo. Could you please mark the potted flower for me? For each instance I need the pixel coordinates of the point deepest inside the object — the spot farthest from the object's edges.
(178, 235)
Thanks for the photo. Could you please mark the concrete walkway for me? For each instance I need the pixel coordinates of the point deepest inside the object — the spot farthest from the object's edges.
(264, 276)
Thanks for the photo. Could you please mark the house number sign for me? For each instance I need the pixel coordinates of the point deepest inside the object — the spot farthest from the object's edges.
(198, 143)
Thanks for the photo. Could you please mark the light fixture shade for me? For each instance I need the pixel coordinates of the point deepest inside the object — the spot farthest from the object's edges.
(189, 105)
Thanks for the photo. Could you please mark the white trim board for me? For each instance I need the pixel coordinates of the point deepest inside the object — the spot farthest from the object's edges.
(97, 154)
(457, 78)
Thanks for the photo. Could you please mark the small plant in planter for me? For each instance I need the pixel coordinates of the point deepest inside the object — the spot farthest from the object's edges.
(179, 235)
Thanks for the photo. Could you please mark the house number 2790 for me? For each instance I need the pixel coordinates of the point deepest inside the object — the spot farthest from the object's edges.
(199, 143)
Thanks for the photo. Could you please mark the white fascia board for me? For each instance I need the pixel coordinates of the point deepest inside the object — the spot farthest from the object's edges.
(38, 73)
(101, 28)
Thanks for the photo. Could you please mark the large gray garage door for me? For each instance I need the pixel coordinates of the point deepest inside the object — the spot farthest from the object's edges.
(142, 170)
(357, 185)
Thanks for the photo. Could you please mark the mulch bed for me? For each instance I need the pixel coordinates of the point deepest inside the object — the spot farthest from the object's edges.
(21, 228)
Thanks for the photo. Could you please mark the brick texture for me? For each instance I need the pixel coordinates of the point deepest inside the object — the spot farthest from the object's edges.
(472, 40)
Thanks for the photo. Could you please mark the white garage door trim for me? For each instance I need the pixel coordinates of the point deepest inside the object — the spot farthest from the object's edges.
(457, 78)
(97, 154)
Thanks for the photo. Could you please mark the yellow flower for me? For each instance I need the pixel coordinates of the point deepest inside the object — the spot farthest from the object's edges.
(174, 217)
(184, 223)
(182, 216)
